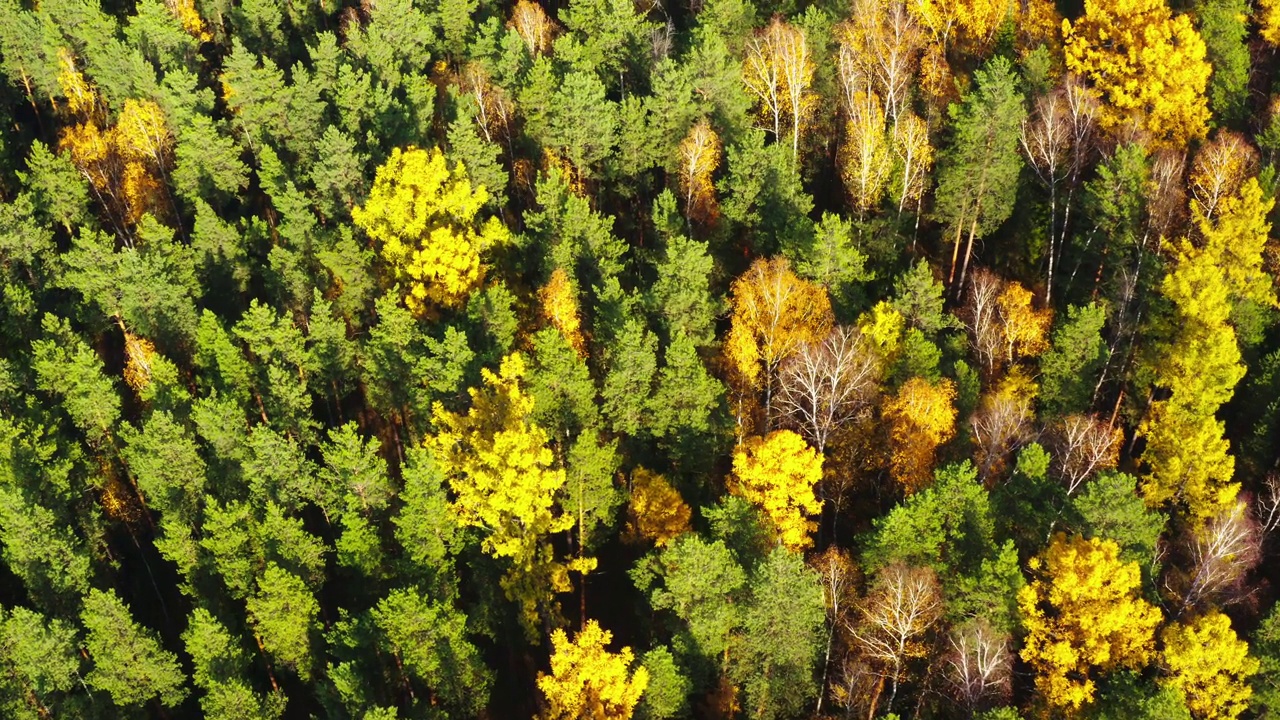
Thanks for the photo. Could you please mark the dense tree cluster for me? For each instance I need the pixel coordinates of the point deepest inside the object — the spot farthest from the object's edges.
(606, 359)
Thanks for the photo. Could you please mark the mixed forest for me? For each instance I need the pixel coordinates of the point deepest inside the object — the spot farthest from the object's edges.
(563, 359)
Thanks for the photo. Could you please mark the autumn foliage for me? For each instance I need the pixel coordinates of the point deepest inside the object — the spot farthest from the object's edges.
(1209, 666)
(126, 162)
(851, 359)
(777, 473)
(778, 72)
(657, 513)
(921, 417)
(532, 24)
(774, 312)
(560, 308)
(1186, 448)
(1148, 65)
(1084, 617)
(422, 215)
(587, 682)
(700, 154)
(505, 482)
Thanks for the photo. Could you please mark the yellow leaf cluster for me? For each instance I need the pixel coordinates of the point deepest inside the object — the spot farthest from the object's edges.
(1209, 666)
(979, 20)
(587, 682)
(422, 215)
(1186, 450)
(1040, 23)
(936, 79)
(777, 473)
(921, 417)
(1083, 615)
(1148, 65)
(657, 512)
(186, 13)
(124, 162)
(119, 502)
(554, 161)
(939, 17)
(533, 26)
(774, 312)
(882, 326)
(560, 308)
(865, 160)
(1236, 240)
(700, 154)
(1189, 458)
(975, 24)
(915, 157)
(81, 95)
(505, 482)
(1220, 168)
(1267, 17)
(778, 72)
(1025, 329)
(139, 354)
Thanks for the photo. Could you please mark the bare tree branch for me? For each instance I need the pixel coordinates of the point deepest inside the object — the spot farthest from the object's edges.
(824, 385)
(979, 667)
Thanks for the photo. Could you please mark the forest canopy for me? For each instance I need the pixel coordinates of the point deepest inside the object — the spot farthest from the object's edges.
(608, 359)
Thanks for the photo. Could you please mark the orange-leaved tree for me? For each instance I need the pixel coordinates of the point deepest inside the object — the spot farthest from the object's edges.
(921, 417)
(700, 154)
(777, 473)
(1084, 616)
(559, 299)
(656, 512)
(532, 24)
(125, 163)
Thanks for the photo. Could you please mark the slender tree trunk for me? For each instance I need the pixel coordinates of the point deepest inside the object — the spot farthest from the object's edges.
(875, 699)
(893, 686)
(267, 662)
(582, 579)
(955, 252)
(1053, 216)
(968, 253)
(826, 663)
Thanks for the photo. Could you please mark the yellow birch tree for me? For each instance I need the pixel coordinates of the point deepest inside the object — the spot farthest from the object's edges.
(1209, 666)
(505, 482)
(422, 215)
(1148, 65)
(921, 417)
(1084, 616)
(778, 473)
(587, 682)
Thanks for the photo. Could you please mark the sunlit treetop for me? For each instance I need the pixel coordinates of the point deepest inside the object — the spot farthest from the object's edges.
(1148, 65)
(421, 214)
